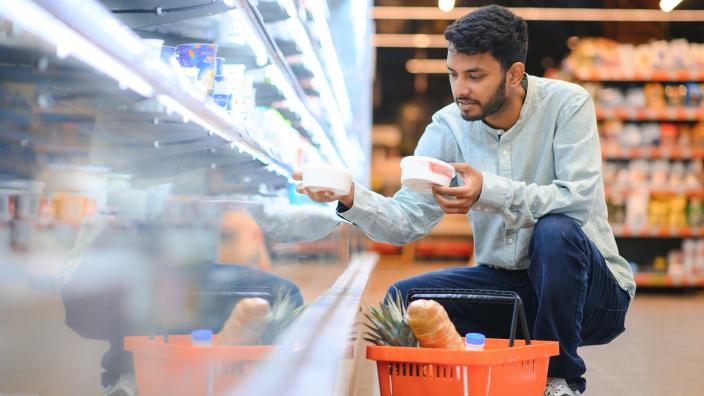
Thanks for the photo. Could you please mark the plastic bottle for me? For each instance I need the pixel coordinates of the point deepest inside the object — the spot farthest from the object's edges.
(202, 337)
(474, 342)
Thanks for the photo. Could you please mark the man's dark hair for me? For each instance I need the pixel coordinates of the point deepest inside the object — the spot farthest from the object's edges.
(492, 29)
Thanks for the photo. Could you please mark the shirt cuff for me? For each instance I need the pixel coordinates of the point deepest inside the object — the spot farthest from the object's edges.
(496, 193)
(362, 209)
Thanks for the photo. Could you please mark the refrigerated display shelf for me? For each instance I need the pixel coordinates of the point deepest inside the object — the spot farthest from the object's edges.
(119, 49)
(661, 280)
(650, 114)
(255, 22)
(684, 153)
(617, 74)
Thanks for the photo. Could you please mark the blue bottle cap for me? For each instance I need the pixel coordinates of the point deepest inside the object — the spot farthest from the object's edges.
(474, 339)
(202, 335)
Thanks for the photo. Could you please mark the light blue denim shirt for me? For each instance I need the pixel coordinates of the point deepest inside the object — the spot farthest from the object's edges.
(548, 162)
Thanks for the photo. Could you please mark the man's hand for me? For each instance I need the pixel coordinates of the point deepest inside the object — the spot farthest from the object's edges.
(324, 196)
(460, 199)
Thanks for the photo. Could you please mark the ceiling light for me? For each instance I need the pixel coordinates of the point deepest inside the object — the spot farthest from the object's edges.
(669, 5)
(446, 5)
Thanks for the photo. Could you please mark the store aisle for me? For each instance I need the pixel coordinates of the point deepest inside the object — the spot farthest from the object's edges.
(661, 352)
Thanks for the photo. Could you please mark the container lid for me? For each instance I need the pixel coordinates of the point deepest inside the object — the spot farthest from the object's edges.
(474, 339)
(202, 335)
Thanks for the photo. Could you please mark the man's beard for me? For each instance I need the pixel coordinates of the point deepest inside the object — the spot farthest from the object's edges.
(496, 103)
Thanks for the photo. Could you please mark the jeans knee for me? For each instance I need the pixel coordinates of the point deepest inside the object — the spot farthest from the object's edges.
(399, 289)
(553, 233)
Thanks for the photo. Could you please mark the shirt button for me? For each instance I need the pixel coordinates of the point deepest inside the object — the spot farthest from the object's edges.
(510, 240)
(505, 152)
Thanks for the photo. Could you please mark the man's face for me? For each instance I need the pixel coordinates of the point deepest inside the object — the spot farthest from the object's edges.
(478, 84)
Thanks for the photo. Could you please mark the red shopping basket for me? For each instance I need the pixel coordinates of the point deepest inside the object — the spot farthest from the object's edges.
(506, 367)
(173, 366)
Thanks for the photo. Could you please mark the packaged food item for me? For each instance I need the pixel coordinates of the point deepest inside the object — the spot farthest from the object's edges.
(676, 94)
(168, 53)
(222, 92)
(198, 62)
(668, 134)
(324, 177)
(654, 95)
(694, 94)
(420, 173)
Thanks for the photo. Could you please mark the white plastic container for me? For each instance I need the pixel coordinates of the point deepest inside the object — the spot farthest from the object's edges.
(323, 177)
(419, 173)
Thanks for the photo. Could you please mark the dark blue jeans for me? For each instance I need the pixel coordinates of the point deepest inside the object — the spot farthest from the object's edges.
(568, 291)
(214, 288)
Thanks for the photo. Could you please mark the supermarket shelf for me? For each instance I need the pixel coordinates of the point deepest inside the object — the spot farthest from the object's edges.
(335, 117)
(652, 153)
(97, 38)
(650, 114)
(666, 281)
(288, 82)
(621, 231)
(615, 74)
(689, 192)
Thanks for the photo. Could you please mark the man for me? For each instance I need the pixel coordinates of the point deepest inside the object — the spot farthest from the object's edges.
(528, 159)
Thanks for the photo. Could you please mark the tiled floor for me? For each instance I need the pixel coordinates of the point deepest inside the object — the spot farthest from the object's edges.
(661, 353)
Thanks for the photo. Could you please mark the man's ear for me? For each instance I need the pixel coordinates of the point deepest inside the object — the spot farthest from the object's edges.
(515, 74)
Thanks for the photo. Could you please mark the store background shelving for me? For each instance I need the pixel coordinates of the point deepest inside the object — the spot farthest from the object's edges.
(661, 239)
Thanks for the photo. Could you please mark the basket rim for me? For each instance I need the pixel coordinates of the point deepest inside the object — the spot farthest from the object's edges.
(183, 350)
(496, 354)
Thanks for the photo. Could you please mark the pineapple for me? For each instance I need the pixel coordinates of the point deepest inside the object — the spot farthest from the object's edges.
(387, 324)
(283, 312)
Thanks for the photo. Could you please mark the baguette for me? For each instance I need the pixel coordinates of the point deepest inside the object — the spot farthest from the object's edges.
(246, 323)
(432, 327)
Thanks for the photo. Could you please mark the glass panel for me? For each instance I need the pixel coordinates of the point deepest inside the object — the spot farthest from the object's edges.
(147, 192)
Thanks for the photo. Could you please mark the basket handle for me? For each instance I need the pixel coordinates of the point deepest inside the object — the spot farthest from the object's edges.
(487, 296)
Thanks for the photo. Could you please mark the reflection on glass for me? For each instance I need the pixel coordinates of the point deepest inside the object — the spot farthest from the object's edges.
(126, 223)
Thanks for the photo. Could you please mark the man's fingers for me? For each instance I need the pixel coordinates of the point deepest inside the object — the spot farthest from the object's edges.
(448, 203)
(461, 167)
(297, 175)
(452, 191)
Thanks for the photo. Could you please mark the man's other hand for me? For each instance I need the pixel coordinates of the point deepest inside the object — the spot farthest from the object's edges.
(455, 200)
(324, 196)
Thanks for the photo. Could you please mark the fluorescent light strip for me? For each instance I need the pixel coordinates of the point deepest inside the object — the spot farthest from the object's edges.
(546, 14)
(337, 78)
(409, 40)
(309, 122)
(669, 5)
(426, 66)
(310, 57)
(34, 19)
(240, 20)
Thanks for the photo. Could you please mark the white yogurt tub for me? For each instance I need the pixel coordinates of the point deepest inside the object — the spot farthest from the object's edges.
(324, 177)
(421, 173)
